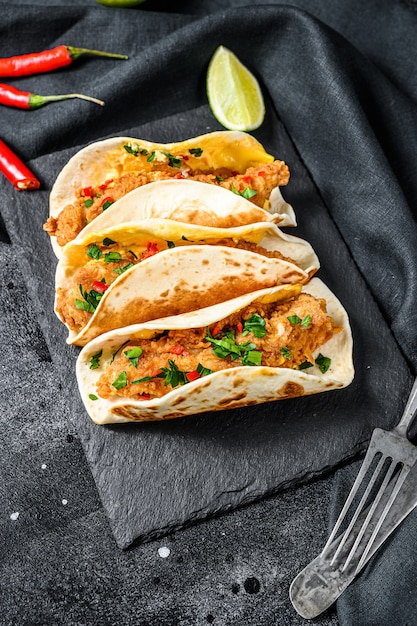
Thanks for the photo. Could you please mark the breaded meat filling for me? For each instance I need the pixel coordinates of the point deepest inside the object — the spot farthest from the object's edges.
(276, 335)
(256, 184)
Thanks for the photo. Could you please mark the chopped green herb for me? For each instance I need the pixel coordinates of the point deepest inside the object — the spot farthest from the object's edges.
(323, 363)
(114, 355)
(121, 270)
(256, 325)
(108, 242)
(220, 179)
(306, 321)
(252, 357)
(135, 149)
(145, 379)
(170, 244)
(227, 346)
(173, 161)
(94, 252)
(151, 157)
(197, 152)
(172, 375)
(90, 300)
(203, 371)
(305, 365)
(121, 381)
(107, 204)
(285, 352)
(112, 257)
(133, 355)
(294, 319)
(88, 203)
(95, 360)
(92, 396)
(248, 193)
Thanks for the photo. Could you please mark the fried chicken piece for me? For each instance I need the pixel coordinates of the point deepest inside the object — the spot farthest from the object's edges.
(74, 217)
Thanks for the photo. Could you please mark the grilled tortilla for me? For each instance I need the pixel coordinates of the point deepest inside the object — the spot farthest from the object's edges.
(103, 172)
(275, 343)
(137, 271)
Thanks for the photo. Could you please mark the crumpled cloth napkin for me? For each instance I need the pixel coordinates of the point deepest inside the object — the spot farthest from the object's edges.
(343, 82)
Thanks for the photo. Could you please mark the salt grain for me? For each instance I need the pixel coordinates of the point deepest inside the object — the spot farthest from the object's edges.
(14, 516)
(164, 552)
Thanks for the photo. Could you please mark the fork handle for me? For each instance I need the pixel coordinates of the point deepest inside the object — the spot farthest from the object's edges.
(409, 412)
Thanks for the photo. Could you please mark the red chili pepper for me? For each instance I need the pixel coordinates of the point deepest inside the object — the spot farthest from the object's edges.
(16, 171)
(151, 249)
(88, 191)
(144, 396)
(193, 375)
(179, 175)
(13, 97)
(99, 286)
(239, 327)
(216, 330)
(156, 373)
(105, 184)
(261, 173)
(107, 199)
(247, 179)
(47, 60)
(177, 349)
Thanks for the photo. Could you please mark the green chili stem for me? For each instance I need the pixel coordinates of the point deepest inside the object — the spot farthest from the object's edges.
(36, 101)
(77, 52)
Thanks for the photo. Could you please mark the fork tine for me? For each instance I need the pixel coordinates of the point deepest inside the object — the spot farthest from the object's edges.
(397, 486)
(371, 511)
(360, 506)
(359, 478)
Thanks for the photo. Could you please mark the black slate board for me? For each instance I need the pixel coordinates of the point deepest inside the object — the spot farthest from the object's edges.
(156, 477)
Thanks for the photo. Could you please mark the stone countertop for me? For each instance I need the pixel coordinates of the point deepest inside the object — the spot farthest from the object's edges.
(59, 563)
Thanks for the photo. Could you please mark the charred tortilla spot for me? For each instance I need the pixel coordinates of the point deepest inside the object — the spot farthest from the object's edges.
(232, 399)
(164, 293)
(291, 390)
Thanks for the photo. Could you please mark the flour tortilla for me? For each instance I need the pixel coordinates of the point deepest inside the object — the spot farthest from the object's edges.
(189, 276)
(104, 160)
(231, 388)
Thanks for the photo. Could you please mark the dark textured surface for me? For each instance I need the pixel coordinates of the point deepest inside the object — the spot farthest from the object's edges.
(153, 478)
(348, 104)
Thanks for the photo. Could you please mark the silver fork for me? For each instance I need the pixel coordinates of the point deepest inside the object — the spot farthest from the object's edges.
(377, 514)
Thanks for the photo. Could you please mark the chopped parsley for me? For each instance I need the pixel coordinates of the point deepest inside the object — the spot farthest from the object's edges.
(95, 360)
(90, 300)
(170, 244)
(227, 346)
(92, 396)
(151, 156)
(88, 203)
(247, 193)
(112, 257)
(323, 363)
(295, 320)
(173, 160)
(197, 152)
(285, 352)
(94, 252)
(135, 149)
(106, 204)
(305, 365)
(121, 381)
(114, 355)
(108, 242)
(256, 325)
(133, 355)
(121, 270)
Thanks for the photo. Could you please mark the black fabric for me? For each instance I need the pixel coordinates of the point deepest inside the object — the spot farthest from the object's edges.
(343, 84)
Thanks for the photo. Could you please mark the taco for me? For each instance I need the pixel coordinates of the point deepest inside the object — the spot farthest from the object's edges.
(275, 343)
(137, 271)
(105, 171)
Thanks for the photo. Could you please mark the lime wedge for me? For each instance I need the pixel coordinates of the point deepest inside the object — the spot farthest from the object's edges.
(233, 92)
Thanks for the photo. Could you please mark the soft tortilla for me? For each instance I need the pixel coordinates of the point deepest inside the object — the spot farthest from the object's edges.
(186, 277)
(100, 161)
(231, 388)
